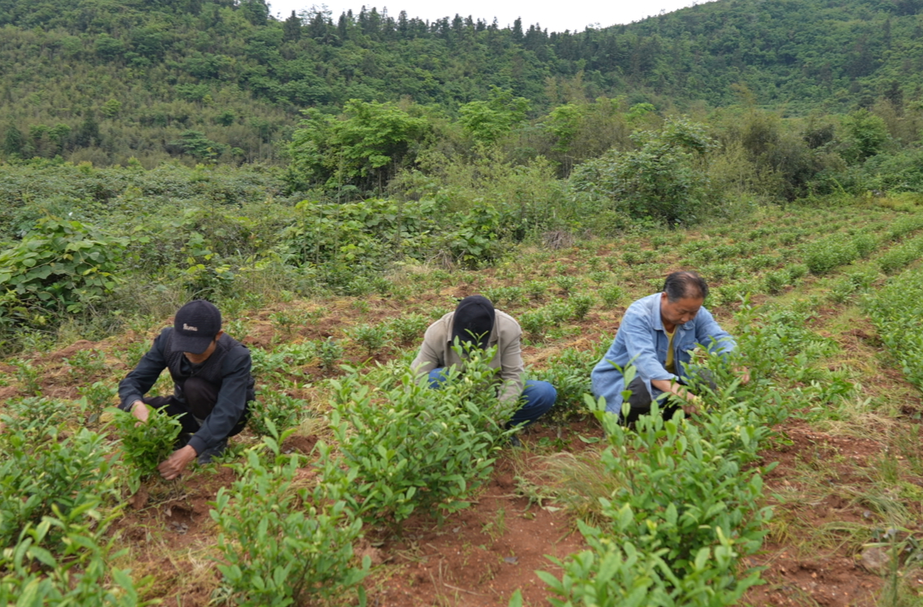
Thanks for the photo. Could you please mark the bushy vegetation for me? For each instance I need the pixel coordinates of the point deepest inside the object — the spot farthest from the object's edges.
(56, 499)
(406, 447)
(283, 544)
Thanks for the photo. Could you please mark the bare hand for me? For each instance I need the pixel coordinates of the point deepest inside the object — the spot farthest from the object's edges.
(177, 462)
(139, 410)
(744, 375)
(692, 404)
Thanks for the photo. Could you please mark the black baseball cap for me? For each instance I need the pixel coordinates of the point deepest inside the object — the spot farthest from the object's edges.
(195, 326)
(473, 320)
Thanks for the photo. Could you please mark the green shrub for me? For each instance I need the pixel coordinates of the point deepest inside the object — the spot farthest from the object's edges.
(60, 266)
(824, 255)
(899, 257)
(894, 309)
(581, 305)
(660, 180)
(406, 447)
(612, 295)
(45, 473)
(372, 337)
(145, 446)
(276, 408)
(96, 398)
(281, 544)
(329, 352)
(535, 323)
(683, 514)
(776, 281)
(408, 328)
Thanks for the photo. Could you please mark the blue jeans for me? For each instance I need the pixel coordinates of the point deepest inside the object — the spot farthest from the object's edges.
(539, 396)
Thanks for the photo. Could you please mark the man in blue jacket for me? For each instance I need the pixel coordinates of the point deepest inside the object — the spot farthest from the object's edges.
(212, 385)
(657, 337)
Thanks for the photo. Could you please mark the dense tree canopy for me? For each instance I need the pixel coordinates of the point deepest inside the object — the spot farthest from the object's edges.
(142, 75)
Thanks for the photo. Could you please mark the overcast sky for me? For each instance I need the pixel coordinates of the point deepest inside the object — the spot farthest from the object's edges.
(555, 16)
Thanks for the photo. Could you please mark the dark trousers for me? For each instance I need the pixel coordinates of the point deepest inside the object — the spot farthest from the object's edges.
(640, 399)
(201, 397)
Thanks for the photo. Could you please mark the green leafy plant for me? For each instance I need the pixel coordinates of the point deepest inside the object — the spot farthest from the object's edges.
(406, 446)
(146, 445)
(61, 266)
(281, 543)
(372, 337)
(612, 295)
(276, 408)
(566, 284)
(675, 528)
(822, 256)
(85, 364)
(28, 377)
(408, 328)
(329, 352)
(96, 397)
(535, 323)
(581, 305)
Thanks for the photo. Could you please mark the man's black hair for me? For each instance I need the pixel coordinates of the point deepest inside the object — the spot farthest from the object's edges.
(684, 284)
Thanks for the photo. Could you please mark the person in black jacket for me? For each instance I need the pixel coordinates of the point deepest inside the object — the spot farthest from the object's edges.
(212, 385)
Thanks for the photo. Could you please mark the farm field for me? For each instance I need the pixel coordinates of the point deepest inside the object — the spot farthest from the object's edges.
(813, 471)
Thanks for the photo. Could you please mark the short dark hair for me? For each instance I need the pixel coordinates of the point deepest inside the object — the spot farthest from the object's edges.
(679, 285)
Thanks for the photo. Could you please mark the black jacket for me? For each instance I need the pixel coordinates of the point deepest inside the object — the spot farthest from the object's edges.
(228, 368)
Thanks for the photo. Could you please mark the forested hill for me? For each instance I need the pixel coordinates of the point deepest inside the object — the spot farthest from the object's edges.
(105, 80)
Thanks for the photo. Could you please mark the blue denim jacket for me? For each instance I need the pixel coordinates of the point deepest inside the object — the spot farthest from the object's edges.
(642, 341)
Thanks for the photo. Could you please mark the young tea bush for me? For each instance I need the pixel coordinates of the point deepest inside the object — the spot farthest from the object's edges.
(45, 473)
(276, 408)
(825, 254)
(895, 310)
(405, 446)
(684, 512)
(282, 544)
(146, 445)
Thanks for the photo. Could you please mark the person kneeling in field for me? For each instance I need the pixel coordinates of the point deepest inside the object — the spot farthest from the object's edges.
(212, 385)
(657, 336)
(476, 323)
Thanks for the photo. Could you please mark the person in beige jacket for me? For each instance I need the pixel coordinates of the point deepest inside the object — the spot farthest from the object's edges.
(475, 321)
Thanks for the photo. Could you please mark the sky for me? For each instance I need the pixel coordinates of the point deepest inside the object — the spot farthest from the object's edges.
(555, 16)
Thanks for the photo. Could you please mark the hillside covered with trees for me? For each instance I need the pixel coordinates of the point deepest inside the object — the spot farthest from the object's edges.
(105, 81)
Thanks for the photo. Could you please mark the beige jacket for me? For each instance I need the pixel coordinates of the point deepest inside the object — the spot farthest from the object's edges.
(437, 352)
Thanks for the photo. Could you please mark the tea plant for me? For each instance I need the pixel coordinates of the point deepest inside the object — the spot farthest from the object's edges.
(74, 568)
(146, 445)
(96, 397)
(284, 321)
(28, 377)
(85, 364)
(566, 284)
(329, 353)
(535, 323)
(581, 305)
(569, 372)
(276, 408)
(612, 295)
(896, 309)
(372, 337)
(824, 255)
(685, 510)
(283, 544)
(74, 476)
(900, 257)
(405, 446)
(776, 281)
(536, 289)
(408, 328)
